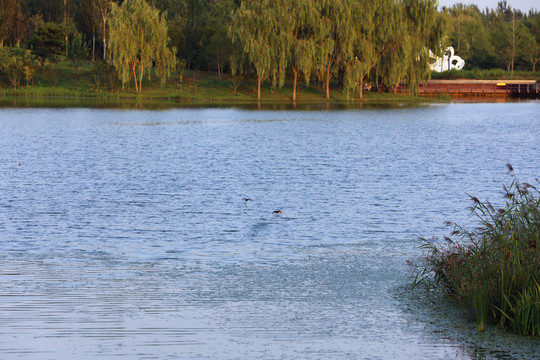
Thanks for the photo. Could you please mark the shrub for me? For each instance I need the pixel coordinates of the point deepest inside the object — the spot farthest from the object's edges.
(495, 268)
(15, 65)
(102, 72)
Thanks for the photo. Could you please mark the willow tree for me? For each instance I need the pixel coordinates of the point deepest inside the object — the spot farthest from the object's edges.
(392, 47)
(337, 37)
(365, 52)
(138, 39)
(414, 27)
(304, 31)
(425, 30)
(257, 28)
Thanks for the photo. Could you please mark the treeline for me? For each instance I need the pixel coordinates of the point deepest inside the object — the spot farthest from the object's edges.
(342, 39)
(333, 42)
(503, 37)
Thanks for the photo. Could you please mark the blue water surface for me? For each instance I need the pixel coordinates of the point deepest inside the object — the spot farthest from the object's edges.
(126, 234)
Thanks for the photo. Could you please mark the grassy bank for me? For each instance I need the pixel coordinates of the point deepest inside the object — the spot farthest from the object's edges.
(494, 270)
(61, 80)
(95, 80)
(482, 74)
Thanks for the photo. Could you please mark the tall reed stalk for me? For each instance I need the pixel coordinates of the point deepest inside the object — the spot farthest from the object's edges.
(495, 268)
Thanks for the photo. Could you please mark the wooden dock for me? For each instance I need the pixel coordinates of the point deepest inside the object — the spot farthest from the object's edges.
(479, 88)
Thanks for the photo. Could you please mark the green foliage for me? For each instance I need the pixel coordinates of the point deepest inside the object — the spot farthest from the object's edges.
(47, 42)
(8, 10)
(479, 300)
(216, 45)
(103, 74)
(336, 39)
(528, 46)
(495, 268)
(78, 48)
(337, 43)
(501, 38)
(180, 68)
(258, 29)
(50, 10)
(77, 51)
(19, 24)
(526, 312)
(138, 39)
(16, 65)
(364, 46)
(466, 30)
(403, 46)
(489, 39)
(303, 18)
(425, 33)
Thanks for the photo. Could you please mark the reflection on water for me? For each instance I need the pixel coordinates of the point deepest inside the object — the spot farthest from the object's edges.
(125, 234)
(168, 104)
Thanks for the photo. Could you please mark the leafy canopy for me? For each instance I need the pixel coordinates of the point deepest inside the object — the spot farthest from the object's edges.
(138, 40)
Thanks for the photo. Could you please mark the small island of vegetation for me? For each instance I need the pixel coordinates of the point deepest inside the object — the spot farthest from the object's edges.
(494, 270)
(241, 51)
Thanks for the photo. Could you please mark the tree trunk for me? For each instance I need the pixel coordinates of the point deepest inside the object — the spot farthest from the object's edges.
(141, 76)
(133, 67)
(328, 81)
(513, 41)
(295, 81)
(218, 59)
(93, 46)
(258, 86)
(361, 88)
(104, 18)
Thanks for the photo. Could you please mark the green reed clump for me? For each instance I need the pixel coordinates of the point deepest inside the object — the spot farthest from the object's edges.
(495, 268)
(525, 310)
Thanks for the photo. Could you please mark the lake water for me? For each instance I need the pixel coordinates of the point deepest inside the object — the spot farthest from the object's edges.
(124, 234)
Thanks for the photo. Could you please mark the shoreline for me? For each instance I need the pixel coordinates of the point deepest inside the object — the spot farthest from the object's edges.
(152, 103)
(120, 100)
(214, 92)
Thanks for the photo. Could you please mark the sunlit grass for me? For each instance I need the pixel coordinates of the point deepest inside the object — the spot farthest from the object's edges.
(63, 80)
(485, 74)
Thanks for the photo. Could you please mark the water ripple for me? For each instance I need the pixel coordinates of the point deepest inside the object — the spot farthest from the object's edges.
(125, 234)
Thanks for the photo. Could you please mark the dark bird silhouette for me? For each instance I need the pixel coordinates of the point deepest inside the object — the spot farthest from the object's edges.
(276, 212)
(247, 199)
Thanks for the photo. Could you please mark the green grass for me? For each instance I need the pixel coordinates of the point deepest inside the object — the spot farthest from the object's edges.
(493, 269)
(60, 81)
(485, 74)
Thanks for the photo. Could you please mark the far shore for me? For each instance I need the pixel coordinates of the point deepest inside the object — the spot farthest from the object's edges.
(201, 88)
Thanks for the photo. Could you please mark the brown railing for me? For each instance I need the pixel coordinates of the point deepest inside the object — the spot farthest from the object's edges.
(464, 89)
(523, 88)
